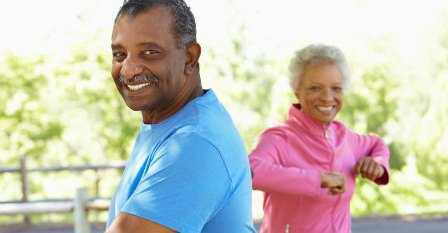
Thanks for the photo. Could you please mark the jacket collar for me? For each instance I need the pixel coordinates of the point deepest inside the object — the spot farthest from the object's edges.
(298, 118)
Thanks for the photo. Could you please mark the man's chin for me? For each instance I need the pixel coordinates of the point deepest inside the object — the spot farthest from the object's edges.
(140, 107)
(134, 107)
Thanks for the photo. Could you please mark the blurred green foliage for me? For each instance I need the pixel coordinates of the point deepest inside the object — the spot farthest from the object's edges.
(69, 112)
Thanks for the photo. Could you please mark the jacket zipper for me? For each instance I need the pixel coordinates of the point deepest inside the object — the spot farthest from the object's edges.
(327, 139)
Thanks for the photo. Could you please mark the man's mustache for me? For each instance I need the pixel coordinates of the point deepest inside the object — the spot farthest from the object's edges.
(141, 78)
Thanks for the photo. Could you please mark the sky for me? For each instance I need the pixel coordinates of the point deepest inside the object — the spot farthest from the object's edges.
(277, 28)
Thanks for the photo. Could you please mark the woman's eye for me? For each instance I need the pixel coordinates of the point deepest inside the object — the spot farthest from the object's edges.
(314, 88)
(337, 89)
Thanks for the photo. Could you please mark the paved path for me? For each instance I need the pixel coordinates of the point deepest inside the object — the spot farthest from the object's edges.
(362, 225)
(400, 225)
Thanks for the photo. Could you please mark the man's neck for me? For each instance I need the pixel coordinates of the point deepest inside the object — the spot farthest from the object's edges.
(154, 117)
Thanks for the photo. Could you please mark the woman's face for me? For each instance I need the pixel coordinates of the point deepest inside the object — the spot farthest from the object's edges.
(320, 91)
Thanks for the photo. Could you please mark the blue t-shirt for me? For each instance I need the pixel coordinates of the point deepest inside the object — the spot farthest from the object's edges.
(189, 173)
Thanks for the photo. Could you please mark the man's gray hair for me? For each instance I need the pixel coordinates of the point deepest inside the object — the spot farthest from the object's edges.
(318, 54)
(183, 19)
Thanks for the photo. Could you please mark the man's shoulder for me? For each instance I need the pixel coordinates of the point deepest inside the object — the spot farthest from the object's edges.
(187, 134)
(189, 150)
(208, 120)
(187, 141)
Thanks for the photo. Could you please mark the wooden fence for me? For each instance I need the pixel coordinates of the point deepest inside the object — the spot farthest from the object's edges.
(80, 204)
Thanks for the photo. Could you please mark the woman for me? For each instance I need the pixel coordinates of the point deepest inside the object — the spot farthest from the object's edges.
(308, 165)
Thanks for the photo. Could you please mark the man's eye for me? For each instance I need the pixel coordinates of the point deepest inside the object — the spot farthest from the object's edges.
(118, 56)
(150, 52)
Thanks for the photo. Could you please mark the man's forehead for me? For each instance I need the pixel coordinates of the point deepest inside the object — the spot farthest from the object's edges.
(158, 13)
(157, 17)
(150, 26)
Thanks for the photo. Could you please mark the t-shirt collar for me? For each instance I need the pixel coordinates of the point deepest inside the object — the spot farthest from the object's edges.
(207, 96)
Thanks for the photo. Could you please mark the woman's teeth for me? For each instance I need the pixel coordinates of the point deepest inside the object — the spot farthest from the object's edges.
(325, 109)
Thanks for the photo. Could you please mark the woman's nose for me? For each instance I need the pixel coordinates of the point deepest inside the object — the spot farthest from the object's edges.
(326, 94)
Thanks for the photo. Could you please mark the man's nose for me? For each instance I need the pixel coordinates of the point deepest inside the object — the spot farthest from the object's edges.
(131, 68)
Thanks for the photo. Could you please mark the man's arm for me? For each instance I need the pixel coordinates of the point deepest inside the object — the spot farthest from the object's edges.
(126, 223)
(185, 185)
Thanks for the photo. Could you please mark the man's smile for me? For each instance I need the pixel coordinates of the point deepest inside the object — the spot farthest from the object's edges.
(138, 87)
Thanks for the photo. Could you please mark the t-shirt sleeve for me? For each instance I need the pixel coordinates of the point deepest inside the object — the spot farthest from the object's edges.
(185, 185)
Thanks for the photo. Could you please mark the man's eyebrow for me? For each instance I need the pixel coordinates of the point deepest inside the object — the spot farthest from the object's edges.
(116, 46)
(142, 44)
(149, 44)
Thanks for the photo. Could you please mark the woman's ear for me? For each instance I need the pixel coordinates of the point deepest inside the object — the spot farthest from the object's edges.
(296, 93)
(193, 51)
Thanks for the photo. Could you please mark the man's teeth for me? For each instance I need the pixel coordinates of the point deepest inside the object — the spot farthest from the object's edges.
(325, 109)
(138, 86)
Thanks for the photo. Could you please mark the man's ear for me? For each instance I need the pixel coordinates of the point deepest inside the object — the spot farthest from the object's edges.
(193, 51)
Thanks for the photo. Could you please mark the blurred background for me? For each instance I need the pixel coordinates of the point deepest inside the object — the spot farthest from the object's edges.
(59, 106)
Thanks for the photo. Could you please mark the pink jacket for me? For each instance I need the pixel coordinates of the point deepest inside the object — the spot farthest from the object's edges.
(286, 165)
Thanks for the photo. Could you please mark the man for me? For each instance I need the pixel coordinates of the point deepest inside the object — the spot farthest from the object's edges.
(188, 171)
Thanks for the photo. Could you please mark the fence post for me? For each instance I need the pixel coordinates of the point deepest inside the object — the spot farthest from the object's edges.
(24, 186)
(80, 213)
(97, 182)
(97, 189)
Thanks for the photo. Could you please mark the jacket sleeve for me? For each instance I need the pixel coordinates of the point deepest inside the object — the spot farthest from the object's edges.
(373, 146)
(271, 173)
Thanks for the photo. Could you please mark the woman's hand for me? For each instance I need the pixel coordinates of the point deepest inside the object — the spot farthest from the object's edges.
(333, 181)
(369, 168)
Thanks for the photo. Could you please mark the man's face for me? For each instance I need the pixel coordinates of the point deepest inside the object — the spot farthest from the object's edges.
(320, 92)
(147, 66)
